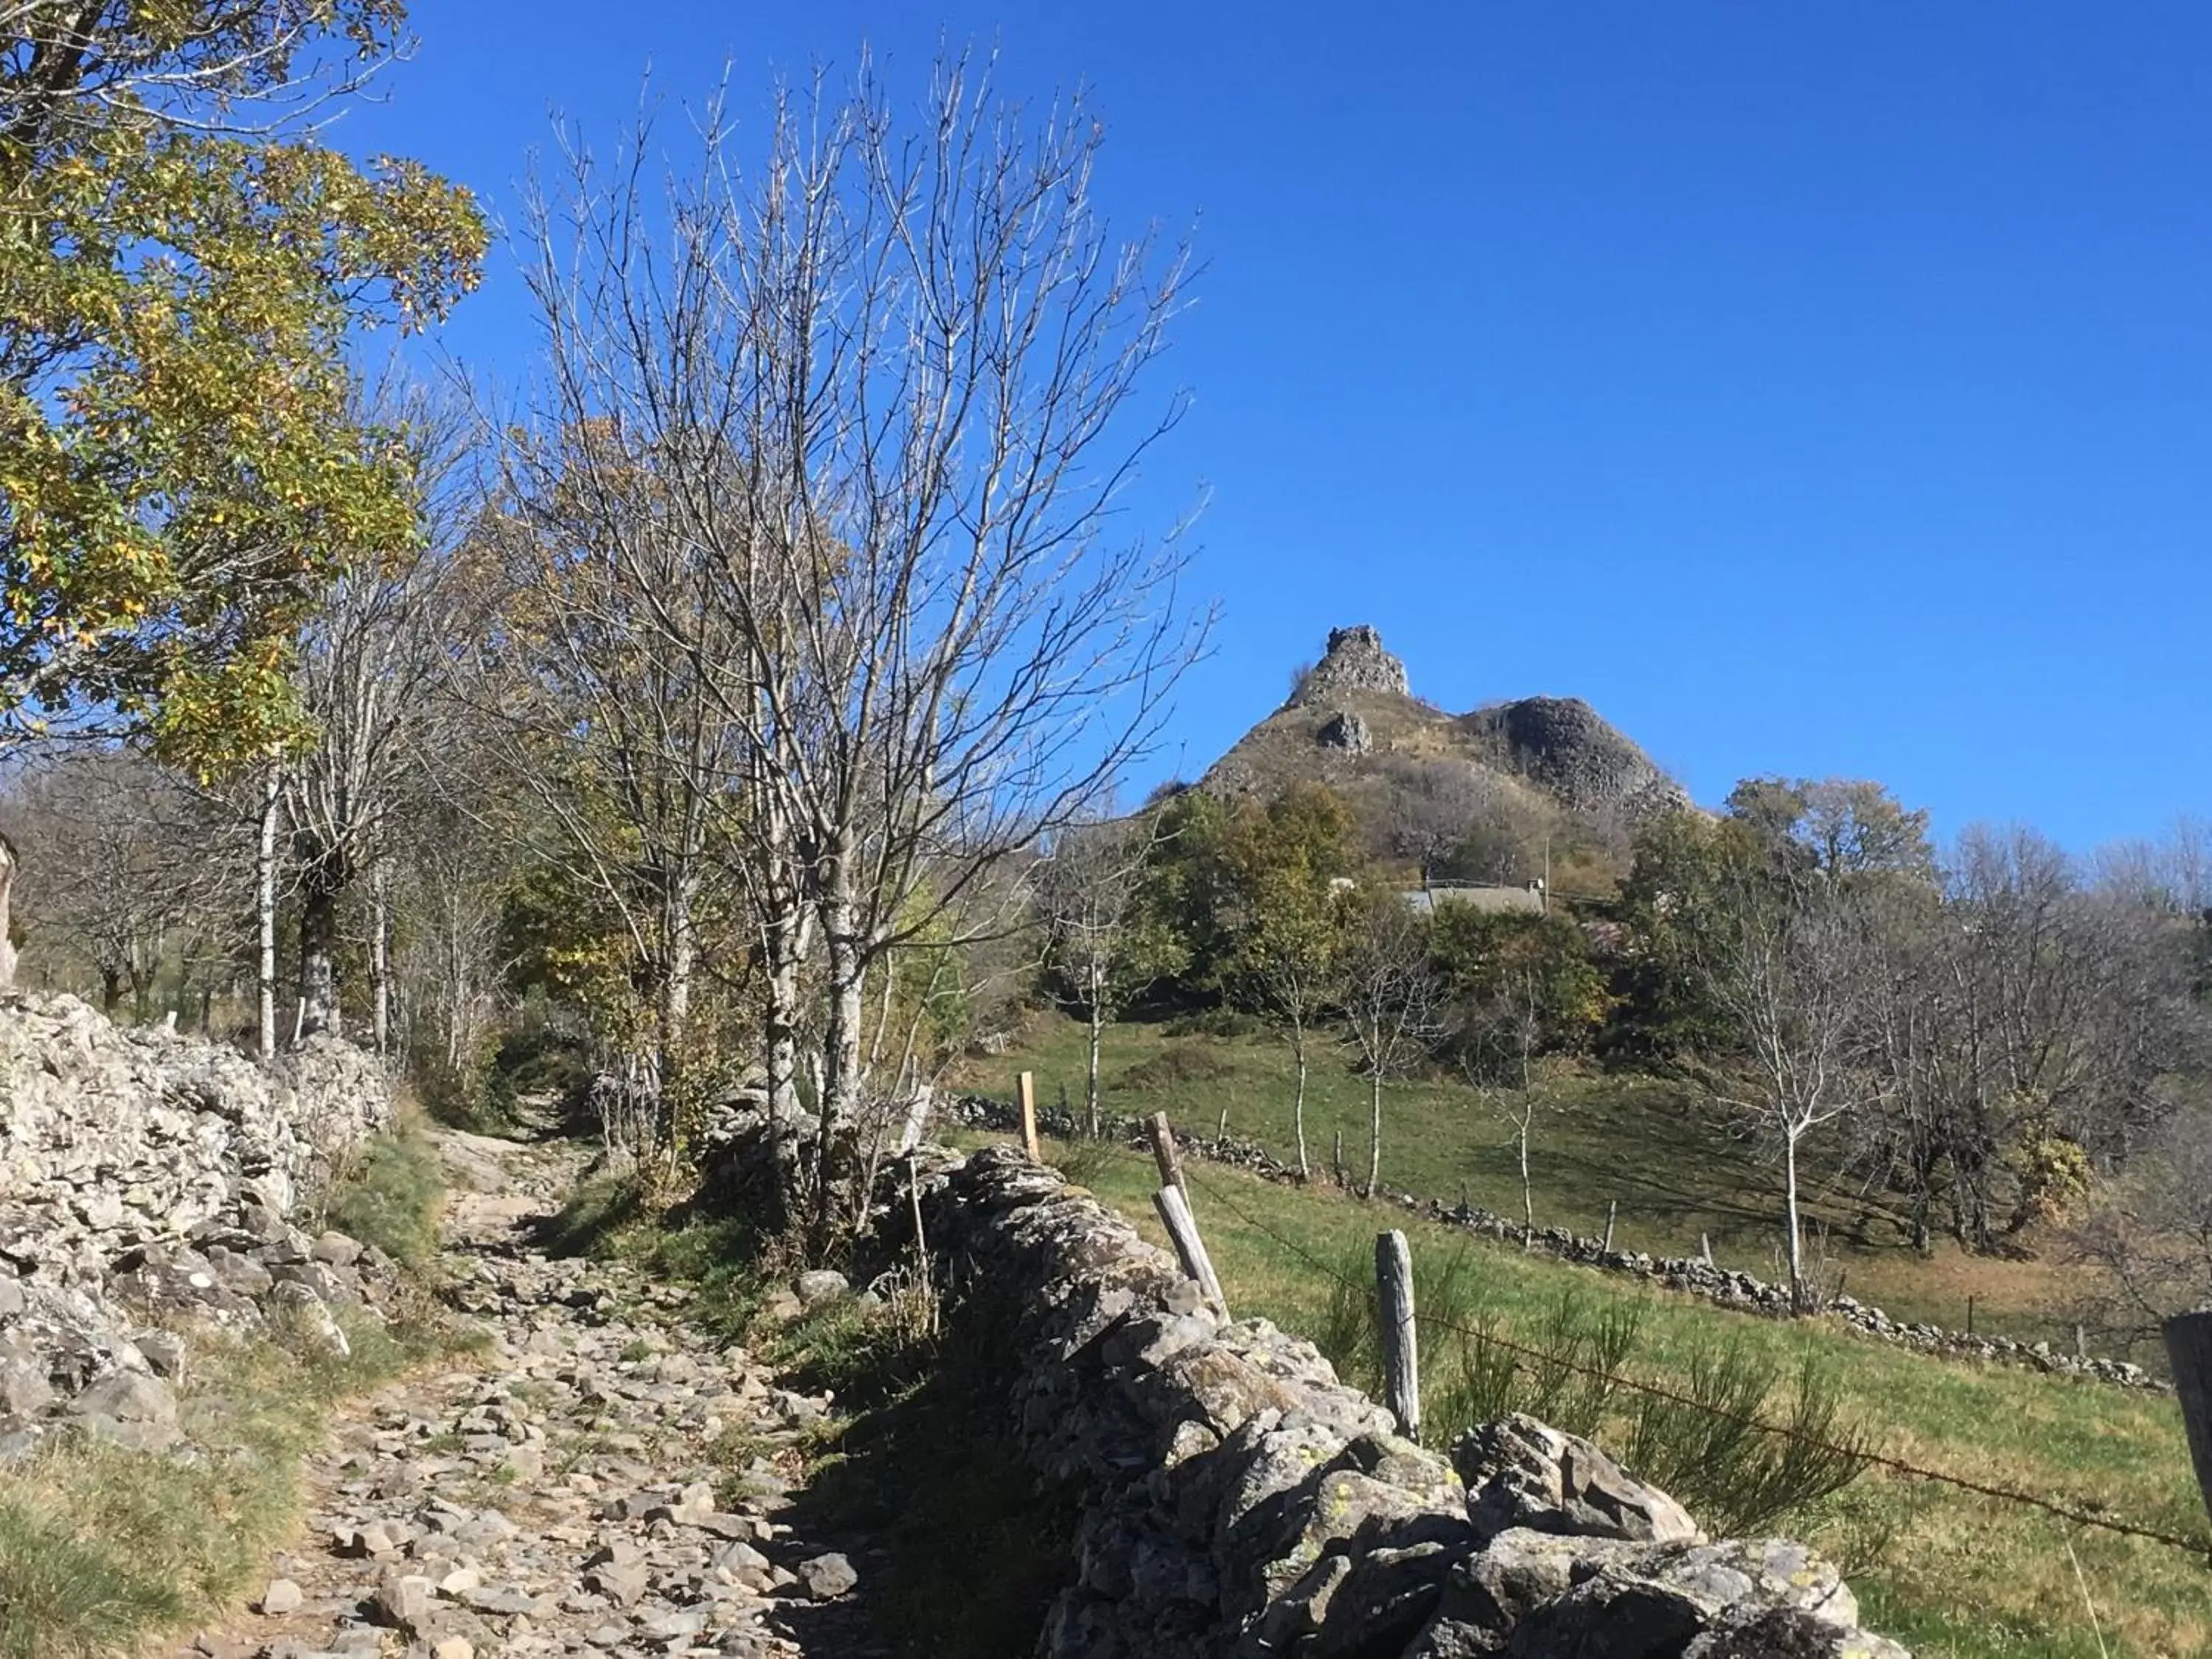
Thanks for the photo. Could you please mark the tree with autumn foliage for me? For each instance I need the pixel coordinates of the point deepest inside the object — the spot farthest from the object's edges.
(182, 263)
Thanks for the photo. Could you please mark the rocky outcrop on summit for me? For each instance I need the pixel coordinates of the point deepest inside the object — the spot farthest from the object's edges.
(1562, 744)
(144, 1175)
(1355, 661)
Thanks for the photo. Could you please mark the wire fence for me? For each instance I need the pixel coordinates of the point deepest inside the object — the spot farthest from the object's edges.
(2199, 1546)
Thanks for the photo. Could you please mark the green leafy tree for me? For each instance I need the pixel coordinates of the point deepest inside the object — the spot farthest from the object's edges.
(182, 263)
(1542, 963)
(1185, 895)
(1845, 828)
(1680, 864)
(1285, 865)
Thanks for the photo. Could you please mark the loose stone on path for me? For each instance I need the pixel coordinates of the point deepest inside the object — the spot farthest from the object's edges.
(561, 1498)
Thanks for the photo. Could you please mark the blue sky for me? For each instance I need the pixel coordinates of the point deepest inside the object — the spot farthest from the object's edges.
(1814, 388)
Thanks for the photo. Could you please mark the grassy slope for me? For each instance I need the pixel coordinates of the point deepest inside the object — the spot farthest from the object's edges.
(1954, 1575)
(1640, 1141)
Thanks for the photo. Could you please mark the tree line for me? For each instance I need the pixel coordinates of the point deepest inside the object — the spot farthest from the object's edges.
(707, 680)
(1988, 1036)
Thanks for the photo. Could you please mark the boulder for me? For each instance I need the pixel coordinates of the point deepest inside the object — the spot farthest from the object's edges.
(1521, 1472)
(1347, 730)
(820, 1285)
(130, 1408)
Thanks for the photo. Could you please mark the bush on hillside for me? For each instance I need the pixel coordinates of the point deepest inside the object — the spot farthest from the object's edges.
(1701, 1441)
(1179, 1064)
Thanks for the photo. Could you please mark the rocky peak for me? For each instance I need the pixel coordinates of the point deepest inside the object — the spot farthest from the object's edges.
(1355, 661)
(1564, 745)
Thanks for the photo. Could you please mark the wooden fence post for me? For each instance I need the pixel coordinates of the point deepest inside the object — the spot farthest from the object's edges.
(921, 1241)
(2188, 1349)
(1401, 1363)
(1163, 1152)
(1190, 1248)
(1025, 1086)
(1611, 1210)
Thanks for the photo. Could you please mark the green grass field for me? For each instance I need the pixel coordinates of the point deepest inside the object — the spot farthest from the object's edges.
(1643, 1143)
(1953, 1575)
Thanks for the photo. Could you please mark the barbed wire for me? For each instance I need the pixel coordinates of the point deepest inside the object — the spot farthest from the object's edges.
(2200, 1546)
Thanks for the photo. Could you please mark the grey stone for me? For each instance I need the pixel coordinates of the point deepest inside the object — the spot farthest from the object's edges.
(820, 1285)
(403, 1601)
(128, 1397)
(1347, 730)
(827, 1576)
(1521, 1472)
(162, 1350)
(281, 1597)
(24, 1389)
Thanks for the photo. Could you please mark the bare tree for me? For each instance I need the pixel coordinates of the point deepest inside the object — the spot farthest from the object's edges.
(372, 664)
(1500, 1061)
(1388, 997)
(2149, 1236)
(454, 868)
(1087, 885)
(1459, 821)
(881, 394)
(1295, 974)
(140, 873)
(1785, 962)
(7, 862)
(610, 730)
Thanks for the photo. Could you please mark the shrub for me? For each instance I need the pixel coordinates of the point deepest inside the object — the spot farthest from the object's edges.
(1703, 1448)
(1699, 1440)
(1230, 1023)
(1179, 1064)
(1083, 1160)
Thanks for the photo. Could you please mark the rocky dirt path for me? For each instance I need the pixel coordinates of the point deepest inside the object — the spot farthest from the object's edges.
(561, 1493)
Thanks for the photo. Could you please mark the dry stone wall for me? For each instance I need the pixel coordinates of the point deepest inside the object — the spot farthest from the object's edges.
(148, 1180)
(1236, 1498)
(1691, 1275)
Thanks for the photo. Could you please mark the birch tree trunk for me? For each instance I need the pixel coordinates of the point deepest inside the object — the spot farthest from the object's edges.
(319, 938)
(1527, 1197)
(781, 1023)
(1373, 1134)
(7, 944)
(1796, 1257)
(265, 913)
(846, 1018)
(380, 956)
(681, 952)
(1097, 998)
(1298, 1104)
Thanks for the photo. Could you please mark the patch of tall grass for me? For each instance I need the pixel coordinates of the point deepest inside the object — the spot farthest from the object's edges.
(1737, 1443)
(388, 1193)
(103, 1548)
